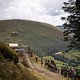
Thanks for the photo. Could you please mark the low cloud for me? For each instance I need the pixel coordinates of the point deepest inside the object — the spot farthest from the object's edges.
(39, 10)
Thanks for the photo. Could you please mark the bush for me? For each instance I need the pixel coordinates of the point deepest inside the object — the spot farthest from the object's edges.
(8, 53)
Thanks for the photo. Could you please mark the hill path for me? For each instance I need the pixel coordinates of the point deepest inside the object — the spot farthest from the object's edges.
(48, 75)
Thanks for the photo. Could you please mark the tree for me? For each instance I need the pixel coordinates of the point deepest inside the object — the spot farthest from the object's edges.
(72, 23)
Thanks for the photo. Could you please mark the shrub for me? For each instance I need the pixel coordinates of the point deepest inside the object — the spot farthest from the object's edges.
(8, 53)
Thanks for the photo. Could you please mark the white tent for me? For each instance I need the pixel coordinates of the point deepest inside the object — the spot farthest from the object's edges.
(13, 44)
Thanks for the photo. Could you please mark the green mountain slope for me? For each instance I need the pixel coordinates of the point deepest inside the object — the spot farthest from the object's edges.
(40, 36)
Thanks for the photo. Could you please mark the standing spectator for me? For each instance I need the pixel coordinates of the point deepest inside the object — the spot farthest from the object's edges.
(59, 70)
(36, 59)
(46, 62)
(77, 75)
(41, 61)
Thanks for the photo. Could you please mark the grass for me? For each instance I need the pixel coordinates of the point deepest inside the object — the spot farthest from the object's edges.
(11, 70)
(48, 57)
(73, 55)
(61, 63)
(36, 74)
(8, 53)
(58, 63)
(73, 58)
(40, 36)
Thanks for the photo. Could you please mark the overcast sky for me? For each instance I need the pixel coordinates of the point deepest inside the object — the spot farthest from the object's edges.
(39, 10)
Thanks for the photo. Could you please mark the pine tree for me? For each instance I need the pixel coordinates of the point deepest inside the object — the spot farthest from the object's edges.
(72, 23)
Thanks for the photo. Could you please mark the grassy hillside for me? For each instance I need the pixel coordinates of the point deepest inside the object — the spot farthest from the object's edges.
(73, 58)
(40, 36)
(8, 53)
(69, 59)
(9, 70)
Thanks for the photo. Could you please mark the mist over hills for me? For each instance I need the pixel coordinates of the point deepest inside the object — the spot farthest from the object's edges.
(43, 38)
(60, 27)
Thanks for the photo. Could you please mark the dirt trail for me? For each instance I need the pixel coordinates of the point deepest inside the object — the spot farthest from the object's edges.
(48, 75)
(27, 61)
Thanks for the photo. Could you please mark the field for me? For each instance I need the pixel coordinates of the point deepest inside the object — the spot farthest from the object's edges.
(58, 63)
(72, 59)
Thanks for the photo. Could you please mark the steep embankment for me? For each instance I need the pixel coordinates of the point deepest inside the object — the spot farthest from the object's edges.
(43, 38)
(46, 74)
(10, 68)
(41, 71)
